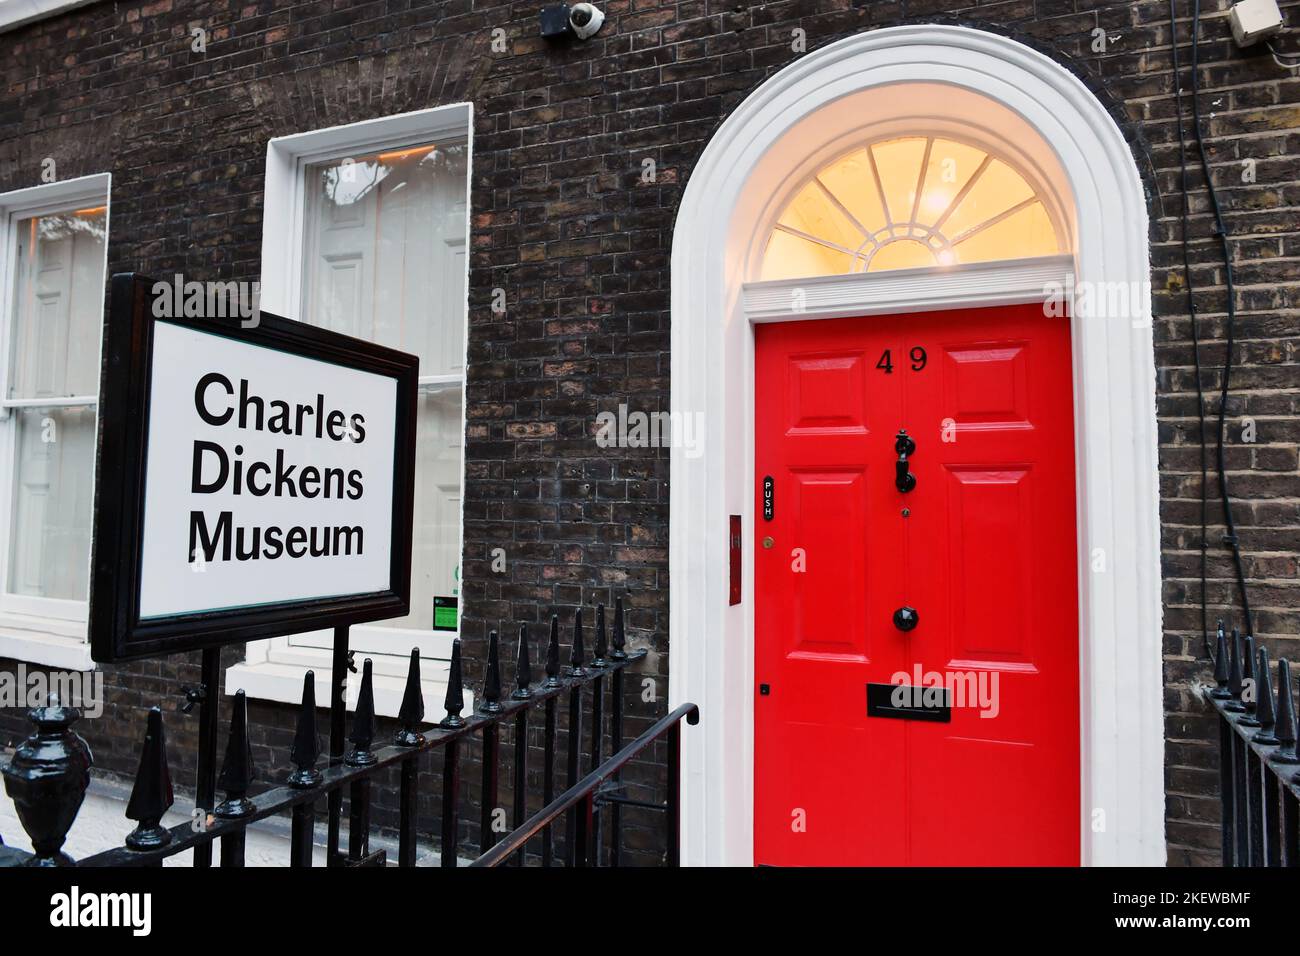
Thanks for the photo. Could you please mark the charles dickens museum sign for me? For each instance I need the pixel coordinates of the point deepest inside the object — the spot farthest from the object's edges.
(250, 482)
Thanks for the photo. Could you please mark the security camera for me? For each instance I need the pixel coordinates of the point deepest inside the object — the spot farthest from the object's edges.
(585, 20)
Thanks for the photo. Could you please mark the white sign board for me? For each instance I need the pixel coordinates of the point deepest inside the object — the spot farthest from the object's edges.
(252, 480)
(269, 477)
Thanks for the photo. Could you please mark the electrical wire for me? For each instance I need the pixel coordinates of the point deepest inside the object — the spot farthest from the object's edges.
(1230, 537)
(1282, 54)
(1191, 313)
(1281, 58)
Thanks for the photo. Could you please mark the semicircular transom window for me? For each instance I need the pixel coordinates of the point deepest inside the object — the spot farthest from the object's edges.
(905, 203)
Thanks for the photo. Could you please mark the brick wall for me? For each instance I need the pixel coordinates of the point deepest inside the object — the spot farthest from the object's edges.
(562, 221)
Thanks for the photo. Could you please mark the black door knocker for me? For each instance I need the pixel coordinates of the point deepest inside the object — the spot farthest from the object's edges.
(904, 480)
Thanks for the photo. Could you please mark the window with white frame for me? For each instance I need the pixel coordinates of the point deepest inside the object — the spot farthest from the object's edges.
(366, 234)
(53, 251)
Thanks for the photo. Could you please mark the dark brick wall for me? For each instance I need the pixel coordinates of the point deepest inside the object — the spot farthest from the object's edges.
(563, 223)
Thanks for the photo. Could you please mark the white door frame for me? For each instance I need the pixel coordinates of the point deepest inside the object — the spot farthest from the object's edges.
(1000, 91)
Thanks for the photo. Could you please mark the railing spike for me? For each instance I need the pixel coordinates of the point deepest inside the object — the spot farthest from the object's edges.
(237, 770)
(306, 741)
(1221, 691)
(1234, 675)
(455, 700)
(411, 713)
(1286, 728)
(578, 652)
(602, 644)
(492, 677)
(1251, 700)
(620, 636)
(363, 721)
(523, 666)
(152, 795)
(1264, 705)
(553, 654)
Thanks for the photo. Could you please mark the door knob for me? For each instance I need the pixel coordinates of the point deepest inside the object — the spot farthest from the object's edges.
(905, 618)
(904, 480)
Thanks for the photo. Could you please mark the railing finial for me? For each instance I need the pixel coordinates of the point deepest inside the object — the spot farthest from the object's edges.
(1251, 700)
(411, 713)
(553, 654)
(1264, 704)
(455, 701)
(1286, 728)
(1235, 705)
(492, 677)
(363, 721)
(602, 644)
(620, 636)
(152, 795)
(306, 742)
(237, 770)
(523, 666)
(578, 652)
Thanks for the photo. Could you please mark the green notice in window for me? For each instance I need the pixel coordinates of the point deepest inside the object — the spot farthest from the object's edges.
(444, 613)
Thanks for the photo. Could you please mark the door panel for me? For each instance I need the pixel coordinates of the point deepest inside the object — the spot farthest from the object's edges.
(983, 548)
(824, 627)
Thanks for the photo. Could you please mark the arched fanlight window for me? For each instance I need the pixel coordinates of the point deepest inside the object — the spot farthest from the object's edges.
(909, 202)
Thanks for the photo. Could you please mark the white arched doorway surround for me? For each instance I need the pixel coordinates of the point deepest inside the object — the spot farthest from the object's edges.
(1040, 114)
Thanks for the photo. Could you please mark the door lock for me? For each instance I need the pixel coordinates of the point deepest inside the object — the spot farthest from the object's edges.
(904, 480)
(906, 618)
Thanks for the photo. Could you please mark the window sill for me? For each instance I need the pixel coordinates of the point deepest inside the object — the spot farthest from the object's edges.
(33, 642)
(282, 682)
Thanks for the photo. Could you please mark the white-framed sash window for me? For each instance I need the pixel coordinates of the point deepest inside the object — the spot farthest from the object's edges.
(53, 259)
(365, 233)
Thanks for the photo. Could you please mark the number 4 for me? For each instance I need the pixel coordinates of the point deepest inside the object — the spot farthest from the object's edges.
(886, 363)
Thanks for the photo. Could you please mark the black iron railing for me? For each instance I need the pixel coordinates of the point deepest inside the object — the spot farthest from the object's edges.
(49, 773)
(1259, 782)
(580, 800)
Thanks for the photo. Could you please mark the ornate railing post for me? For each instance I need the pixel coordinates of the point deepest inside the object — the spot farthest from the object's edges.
(47, 780)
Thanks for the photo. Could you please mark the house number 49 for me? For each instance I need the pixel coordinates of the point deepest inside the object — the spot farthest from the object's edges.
(886, 363)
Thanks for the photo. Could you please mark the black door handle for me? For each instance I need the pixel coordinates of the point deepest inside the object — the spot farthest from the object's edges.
(904, 480)
(906, 618)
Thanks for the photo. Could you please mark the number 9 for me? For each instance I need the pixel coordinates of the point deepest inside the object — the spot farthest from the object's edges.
(918, 358)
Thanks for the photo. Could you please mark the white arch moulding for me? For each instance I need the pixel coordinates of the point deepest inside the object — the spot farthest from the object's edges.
(991, 89)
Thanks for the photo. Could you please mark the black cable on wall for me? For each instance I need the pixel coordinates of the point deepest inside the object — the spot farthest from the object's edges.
(1220, 231)
(1191, 313)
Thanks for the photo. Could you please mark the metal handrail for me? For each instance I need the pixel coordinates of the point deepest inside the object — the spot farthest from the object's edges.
(584, 789)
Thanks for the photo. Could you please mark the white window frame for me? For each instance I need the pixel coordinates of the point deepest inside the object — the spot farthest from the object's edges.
(46, 631)
(18, 13)
(273, 669)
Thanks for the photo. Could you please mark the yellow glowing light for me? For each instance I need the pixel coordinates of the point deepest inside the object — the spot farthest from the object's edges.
(861, 212)
(92, 211)
(403, 153)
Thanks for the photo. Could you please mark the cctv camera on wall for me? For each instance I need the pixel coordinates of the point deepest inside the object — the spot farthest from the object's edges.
(582, 20)
(585, 19)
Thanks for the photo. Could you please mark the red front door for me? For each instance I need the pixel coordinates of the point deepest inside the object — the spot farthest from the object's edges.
(982, 551)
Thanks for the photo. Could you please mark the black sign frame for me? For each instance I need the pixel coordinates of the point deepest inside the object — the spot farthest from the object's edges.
(116, 630)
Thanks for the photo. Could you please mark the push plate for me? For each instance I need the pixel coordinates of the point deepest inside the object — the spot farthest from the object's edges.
(769, 498)
(911, 703)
